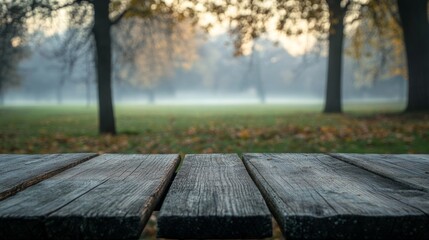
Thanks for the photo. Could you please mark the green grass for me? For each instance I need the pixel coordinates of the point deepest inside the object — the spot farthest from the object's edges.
(197, 129)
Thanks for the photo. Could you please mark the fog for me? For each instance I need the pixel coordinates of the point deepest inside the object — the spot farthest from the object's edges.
(269, 75)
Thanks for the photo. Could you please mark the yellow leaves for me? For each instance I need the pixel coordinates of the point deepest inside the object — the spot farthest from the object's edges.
(377, 45)
(191, 140)
(115, 5)
(244, 134)
(328, 133)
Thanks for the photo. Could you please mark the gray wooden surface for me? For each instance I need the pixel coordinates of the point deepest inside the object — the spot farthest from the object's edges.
(213, 196)
(411, 169)
(315, 196)
(108, 197)
(18, 171)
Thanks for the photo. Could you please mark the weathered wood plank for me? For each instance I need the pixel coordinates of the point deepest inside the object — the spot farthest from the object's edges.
(108, 197)
(213, 196)
(410, 169)
(19, 171)
(315, 196)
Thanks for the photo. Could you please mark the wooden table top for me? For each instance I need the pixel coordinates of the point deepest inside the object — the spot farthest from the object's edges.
(311, 196)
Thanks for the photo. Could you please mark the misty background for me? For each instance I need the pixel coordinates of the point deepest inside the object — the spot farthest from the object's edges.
(211, 74)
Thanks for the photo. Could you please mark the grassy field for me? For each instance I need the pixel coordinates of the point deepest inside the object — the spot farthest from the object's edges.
(204, 129)
(377, 128)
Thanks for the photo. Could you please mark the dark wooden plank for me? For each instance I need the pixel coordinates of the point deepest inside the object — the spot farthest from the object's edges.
(108, 197)
(19, 171)
(213, 196)
(410, 169)
(315, 196)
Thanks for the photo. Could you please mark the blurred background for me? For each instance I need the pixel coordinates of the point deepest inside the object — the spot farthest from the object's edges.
(176, 76)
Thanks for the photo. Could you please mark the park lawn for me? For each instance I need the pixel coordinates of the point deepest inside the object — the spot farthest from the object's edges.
(375, 128)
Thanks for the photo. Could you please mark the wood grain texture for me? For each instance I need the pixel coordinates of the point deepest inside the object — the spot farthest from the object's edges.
(315, 196)
(19, 171)
(108, 197)
(410, 169)
(213, 196)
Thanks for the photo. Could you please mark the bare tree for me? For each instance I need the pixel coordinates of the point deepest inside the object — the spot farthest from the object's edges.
(96, 18)
(12, 48)
(252, 76)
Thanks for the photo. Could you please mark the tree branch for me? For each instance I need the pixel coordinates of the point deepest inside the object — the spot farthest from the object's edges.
(346, 6)
(119, 17)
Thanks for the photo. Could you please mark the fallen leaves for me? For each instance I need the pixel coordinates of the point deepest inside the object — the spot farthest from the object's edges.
(380, 133)
(243, 134)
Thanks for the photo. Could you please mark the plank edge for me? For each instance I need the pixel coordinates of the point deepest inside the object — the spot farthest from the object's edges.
(22, 186)
(340, 157)
(276, 213)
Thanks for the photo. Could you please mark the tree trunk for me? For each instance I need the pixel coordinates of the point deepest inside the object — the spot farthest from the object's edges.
(261, 92)
(415, 27)
(1, 97)
(259, 84)
(103, 50)
(88, 92)
(60, 93)
(151, 96)
(335, 57)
